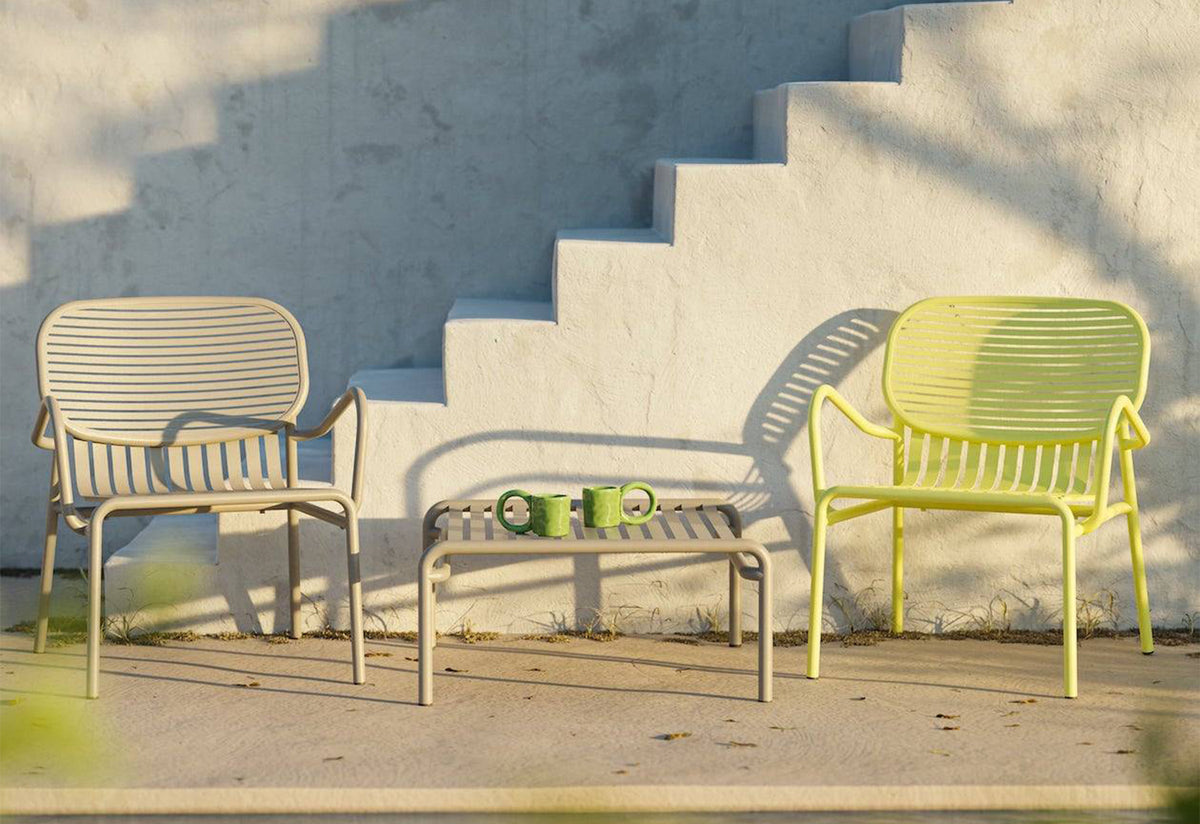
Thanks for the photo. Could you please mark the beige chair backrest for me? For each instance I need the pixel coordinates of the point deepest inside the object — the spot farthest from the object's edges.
(170, 394)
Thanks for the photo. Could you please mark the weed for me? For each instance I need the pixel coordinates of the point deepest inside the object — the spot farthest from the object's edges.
(470, 635)
(862, 610)
(1093, 612)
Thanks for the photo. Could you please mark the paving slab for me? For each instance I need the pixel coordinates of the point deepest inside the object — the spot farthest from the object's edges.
(655, 723)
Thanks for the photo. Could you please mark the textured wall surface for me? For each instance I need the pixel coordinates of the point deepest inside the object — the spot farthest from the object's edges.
(363, 163)
(1033, 148)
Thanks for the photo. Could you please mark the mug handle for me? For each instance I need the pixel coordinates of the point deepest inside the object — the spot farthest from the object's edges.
(498, 511)
(648, 514)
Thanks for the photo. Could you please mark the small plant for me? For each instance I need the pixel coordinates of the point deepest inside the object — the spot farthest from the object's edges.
(992, 619)
(1190, 619)
(470, 635)
(861, 611)
(708, 619)
(1098, 610)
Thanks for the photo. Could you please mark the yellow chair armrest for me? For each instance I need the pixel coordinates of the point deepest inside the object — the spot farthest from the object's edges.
(827, 393)
(1124, 429)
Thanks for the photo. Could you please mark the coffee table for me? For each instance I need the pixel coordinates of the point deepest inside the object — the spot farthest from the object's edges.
(697, 525)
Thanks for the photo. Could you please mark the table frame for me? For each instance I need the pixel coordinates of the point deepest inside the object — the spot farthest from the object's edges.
(683, 525)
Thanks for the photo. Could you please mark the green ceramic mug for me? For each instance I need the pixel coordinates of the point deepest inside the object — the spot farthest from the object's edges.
(549, 515)
(602, 505)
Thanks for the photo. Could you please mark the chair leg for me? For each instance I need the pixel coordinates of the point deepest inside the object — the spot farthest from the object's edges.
(766, 631)
(816, 591)
(95, 532)
(293, 529)
(897, 570)
(1070, 642)
(43, 618)
(735, 605)
(354, 577)
(1134, 522)
(425, 633)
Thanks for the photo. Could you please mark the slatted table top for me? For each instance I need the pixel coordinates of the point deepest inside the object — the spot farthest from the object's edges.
(693, 520)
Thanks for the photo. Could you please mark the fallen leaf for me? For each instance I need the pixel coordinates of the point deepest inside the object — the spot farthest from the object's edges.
(1012, 725)
(730, 720)
(940, 752)
(777, 727)
(948, 728)
(673, 736)
(1123, 752)
(334, 758)
(859, 698)
(1084, 743)
(406, 658)
(535, 669)
(1133, 727)
(1024, 701)
(943, 715)
(1010, 712)
(620, 772)
(251, 684)
(377, 655)
(1156, 682)
(736, 744)
(528, 697)
(683, 669)
(452, 669)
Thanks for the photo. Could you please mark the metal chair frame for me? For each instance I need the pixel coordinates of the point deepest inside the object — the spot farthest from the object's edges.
(1010, 405)
(174, 406)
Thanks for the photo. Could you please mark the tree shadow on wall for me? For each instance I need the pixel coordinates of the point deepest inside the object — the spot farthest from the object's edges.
(428, 150)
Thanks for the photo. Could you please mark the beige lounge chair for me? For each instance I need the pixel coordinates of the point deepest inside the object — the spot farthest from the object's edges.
(181, 405)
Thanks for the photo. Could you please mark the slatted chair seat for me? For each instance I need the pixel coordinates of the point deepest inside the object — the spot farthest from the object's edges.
(1002, 405)
(176, 405)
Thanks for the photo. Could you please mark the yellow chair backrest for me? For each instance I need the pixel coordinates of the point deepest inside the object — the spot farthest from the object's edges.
(1010, 392)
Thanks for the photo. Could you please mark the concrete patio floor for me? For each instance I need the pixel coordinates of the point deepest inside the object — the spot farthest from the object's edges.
(516, 715)
(250, 725)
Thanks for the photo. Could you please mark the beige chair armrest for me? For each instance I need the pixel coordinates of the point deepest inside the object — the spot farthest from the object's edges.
(355, 396)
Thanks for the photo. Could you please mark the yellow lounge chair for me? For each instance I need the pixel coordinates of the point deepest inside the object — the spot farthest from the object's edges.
(1001, 405)
(176, 406)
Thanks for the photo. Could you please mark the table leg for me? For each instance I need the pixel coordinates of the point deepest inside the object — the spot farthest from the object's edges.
(735, 605)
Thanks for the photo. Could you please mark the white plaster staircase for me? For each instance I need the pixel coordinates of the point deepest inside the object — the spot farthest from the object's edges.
(510, 354)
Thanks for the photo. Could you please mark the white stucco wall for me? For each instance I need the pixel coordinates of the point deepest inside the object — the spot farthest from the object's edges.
(364, 163)
(1038, 148)
(1035, 148)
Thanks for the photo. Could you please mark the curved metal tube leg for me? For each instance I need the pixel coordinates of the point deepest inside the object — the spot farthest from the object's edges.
(293, 530)
(43, 618)
(433, 588)
(425, 632)
(816, 593)
(1070, 642)
(1134, 522)
(897, 569)
(355, 579)
(735, 606)
(95, 532)
(766, 635)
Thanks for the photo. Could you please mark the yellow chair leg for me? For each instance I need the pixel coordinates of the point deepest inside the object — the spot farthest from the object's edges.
(1070, 642)
(1134, 522)
(816, 591)
(897, 570)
